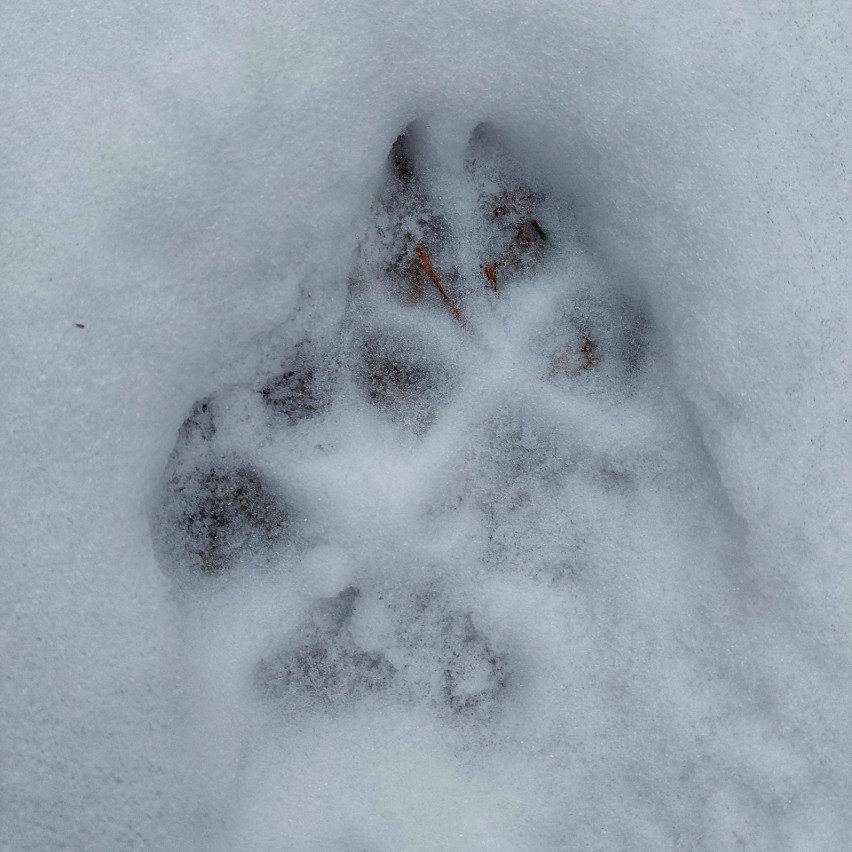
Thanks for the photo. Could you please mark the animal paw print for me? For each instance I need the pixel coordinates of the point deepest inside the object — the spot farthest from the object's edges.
(467, 509)
(471, 325)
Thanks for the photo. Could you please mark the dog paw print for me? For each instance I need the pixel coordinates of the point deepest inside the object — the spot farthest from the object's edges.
(491, 412)
(459, 320)
(375, 519)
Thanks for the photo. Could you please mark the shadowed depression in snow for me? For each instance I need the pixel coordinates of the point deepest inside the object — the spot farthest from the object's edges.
(454, 497)
(426, 426)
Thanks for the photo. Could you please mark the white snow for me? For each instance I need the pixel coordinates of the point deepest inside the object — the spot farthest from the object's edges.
(571, 574)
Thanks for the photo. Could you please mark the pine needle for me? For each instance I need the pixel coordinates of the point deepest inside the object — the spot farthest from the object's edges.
(424, 259)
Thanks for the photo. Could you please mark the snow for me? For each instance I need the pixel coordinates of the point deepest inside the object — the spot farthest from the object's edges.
(569, 573)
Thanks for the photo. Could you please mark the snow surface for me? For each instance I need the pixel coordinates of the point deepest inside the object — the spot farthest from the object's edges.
(293, 558)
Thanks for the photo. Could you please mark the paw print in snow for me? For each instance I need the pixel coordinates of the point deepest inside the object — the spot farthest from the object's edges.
(444, 292)
(491, 413)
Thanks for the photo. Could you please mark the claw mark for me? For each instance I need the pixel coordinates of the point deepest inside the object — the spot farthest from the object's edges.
(421, 253)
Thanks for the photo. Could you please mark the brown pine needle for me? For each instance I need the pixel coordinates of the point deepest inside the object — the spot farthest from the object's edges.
(491, 275)
(421, 253)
